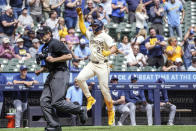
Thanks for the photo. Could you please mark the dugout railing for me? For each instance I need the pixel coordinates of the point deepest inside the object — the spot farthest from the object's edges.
(97, 108)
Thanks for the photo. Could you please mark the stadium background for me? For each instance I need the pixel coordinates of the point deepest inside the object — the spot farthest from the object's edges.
(182, 99)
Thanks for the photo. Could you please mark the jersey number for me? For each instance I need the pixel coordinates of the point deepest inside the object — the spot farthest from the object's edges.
(99, 50)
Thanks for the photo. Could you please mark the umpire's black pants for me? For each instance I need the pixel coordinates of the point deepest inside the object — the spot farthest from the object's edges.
(53, 98)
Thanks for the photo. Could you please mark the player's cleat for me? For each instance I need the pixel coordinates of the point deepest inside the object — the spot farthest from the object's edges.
(111, 118)
(120, 123)
(53, 128)
(170, 124)
(90, 102)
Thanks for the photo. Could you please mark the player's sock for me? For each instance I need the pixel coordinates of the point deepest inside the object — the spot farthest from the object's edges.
(111, 113)
(90, 102)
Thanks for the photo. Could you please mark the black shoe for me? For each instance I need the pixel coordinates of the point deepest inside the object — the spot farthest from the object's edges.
(83, 115)
(53, 128)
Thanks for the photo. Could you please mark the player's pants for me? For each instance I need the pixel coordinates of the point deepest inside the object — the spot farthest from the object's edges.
(102, 71)
(1, 106)
(123, 110)
(20, 108)
(172, 111)
(53, 98)
(147, 108)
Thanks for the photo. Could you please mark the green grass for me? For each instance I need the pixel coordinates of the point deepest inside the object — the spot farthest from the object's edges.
(114, 128)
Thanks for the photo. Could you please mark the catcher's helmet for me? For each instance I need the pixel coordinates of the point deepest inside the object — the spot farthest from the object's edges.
(97, 23)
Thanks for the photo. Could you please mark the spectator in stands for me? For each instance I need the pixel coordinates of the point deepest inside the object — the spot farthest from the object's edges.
(9, 22)
(36, 10)
(6, 51)
(141, 17)
(56, 5)
(137, 58)
(53, 23)
(82, 52)
(75, 65)
(154, 45)
(102, 14)
(20, 103)
(46, 9)
(107, 5)
(135, 99)
(118, 10)
(173, 9)
(70, 14)
(169, 66)
(75, 95)
(17, 7)
(156, 15)
(22, 52)
(3, 81)
(62, 28)
(193, 49)
(189, 46)
(193, 66)
(118, 99)
(91, 10)
(3, 4)
(147, 5)
(125, 46)
(28, 38)
(1, 28)
(173, 50)
(33, 50)
(164, 102)
(63, 40)
(179, 65)
(88, 22)
(140, 40)
(132, 5)
(25, 19)
(71, 38)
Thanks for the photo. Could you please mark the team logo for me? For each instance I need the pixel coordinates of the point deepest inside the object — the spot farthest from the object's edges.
(135, 92)
(115, 93)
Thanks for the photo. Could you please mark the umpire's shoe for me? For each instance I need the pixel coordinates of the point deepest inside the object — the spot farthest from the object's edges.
(53, 128)
(83, 115)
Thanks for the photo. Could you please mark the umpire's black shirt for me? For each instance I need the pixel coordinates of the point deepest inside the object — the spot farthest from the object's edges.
(56, 49)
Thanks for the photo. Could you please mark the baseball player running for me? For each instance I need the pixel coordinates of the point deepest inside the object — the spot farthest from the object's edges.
(101, 46)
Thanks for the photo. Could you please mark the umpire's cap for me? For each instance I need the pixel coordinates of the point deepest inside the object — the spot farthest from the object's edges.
(43, 31)
(134, 77)
(161, 80)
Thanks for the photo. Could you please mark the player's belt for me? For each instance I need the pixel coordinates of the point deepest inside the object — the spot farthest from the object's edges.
(97, 62)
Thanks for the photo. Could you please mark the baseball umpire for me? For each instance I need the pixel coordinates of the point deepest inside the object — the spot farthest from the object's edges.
(101, 45)
(55, 54)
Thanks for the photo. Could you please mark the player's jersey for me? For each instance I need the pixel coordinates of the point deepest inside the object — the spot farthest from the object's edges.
(97, 44)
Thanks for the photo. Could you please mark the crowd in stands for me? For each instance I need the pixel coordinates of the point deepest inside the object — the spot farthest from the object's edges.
(20, 19)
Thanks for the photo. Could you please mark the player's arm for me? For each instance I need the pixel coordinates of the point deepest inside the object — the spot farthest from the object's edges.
(112, 50)
(120, 101)
(81, 21)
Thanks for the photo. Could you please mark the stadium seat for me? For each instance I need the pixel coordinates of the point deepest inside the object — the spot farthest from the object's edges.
(132, 68)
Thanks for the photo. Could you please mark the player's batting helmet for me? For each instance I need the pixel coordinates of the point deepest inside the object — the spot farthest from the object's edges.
(97, 23)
